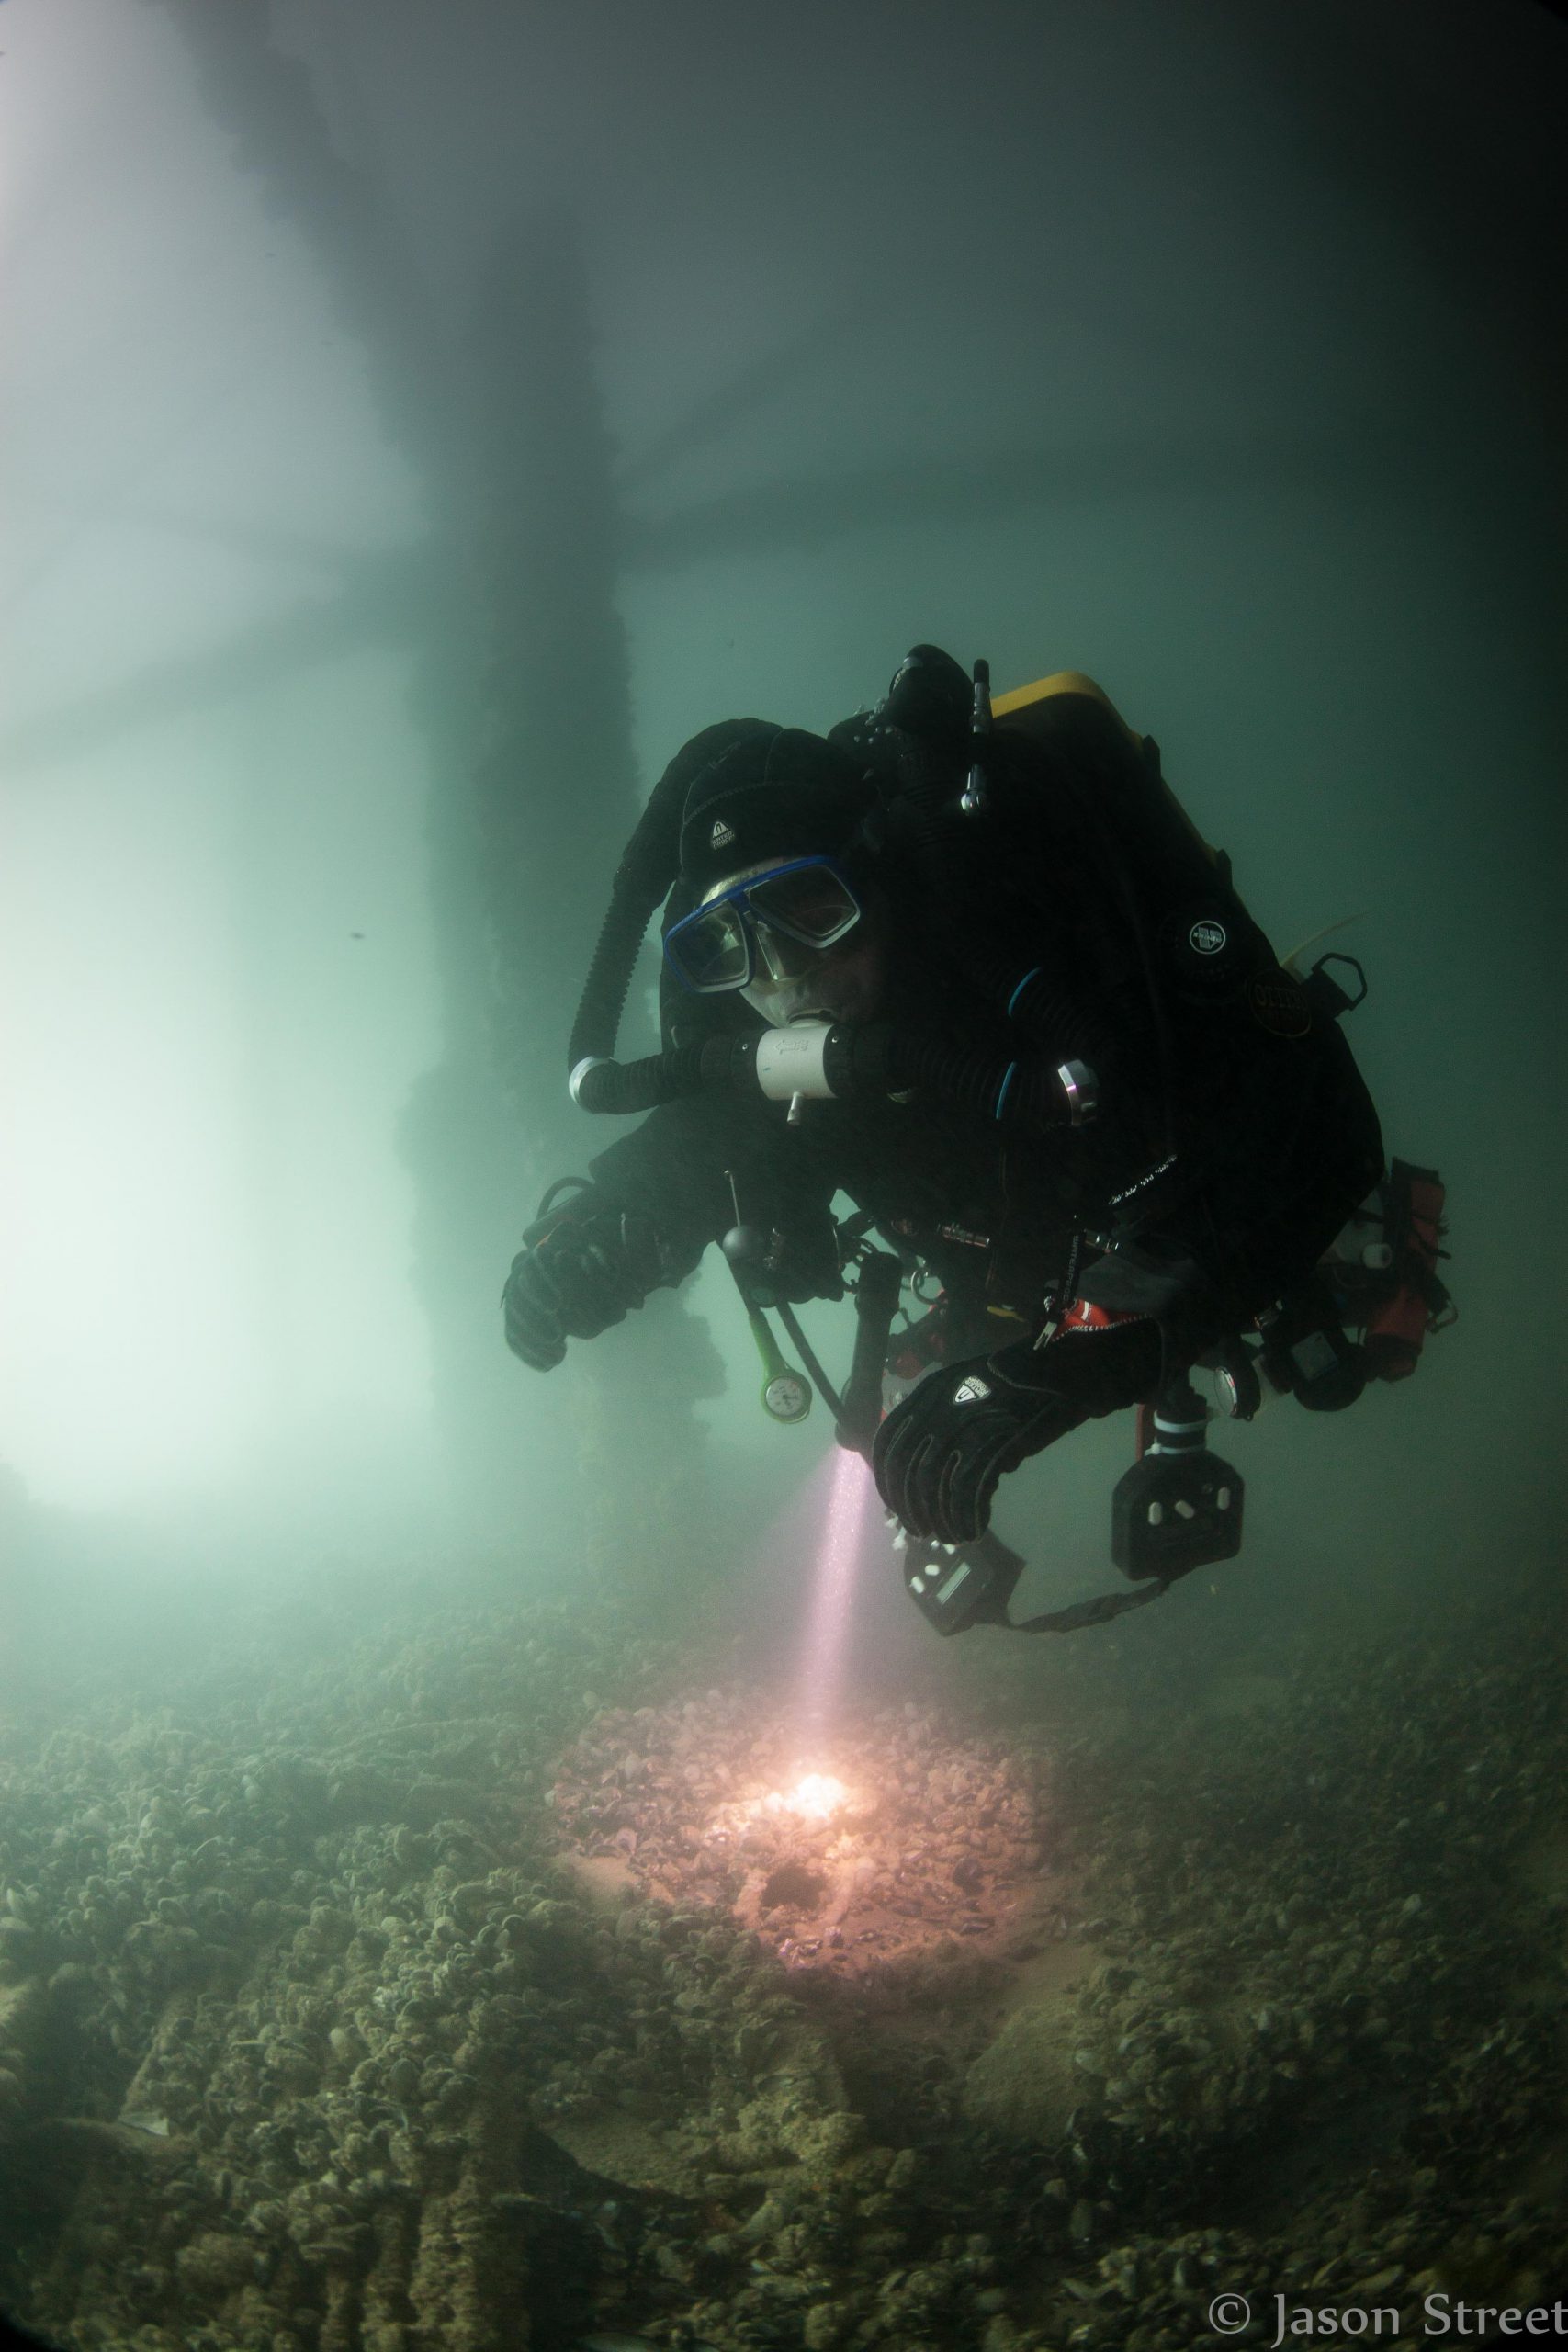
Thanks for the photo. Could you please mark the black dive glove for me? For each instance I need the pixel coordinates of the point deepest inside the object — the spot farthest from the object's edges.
(938, 1454)
(578, 1271)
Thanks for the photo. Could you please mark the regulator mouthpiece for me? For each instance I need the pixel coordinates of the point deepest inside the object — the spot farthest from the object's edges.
(791, 1063)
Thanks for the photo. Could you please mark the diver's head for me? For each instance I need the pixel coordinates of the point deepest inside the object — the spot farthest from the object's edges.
(784, 909)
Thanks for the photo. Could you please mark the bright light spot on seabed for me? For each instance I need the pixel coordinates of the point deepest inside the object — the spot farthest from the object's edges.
(814, 1795)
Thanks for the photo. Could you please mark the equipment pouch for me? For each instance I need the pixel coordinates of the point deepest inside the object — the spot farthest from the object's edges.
(1383, 1270)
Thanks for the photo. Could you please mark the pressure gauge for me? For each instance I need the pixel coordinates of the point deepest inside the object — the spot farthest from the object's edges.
(787, 1397)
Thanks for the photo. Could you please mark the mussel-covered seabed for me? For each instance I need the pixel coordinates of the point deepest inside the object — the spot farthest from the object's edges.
(394, 1973)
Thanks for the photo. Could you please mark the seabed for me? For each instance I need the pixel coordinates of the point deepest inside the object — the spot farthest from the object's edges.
(469, 1973)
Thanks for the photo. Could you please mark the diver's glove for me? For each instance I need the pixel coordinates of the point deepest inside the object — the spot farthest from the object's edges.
(939, 1453)
(578, 1271)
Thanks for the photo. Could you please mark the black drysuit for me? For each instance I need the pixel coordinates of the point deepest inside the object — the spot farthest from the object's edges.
(1235, 1135)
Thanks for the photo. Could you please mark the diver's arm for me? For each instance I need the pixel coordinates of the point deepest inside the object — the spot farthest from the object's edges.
(671, 1168)
(701, 1166)
(656, 1198)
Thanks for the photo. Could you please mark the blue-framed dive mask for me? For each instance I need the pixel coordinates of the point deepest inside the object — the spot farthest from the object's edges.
(767, 924)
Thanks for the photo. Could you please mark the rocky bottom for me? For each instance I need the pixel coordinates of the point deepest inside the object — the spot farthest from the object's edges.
(847, 1854)
(487, 1979)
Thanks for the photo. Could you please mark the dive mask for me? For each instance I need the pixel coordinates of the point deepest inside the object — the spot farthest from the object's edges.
(767, 924)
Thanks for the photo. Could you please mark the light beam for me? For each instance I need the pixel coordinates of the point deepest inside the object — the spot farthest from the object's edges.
(827, 1618)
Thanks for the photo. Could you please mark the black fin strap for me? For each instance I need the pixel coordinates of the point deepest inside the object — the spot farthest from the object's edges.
(1099, 1611)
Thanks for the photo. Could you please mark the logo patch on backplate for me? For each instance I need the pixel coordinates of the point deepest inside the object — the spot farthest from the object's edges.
(970, 1391)
(1207, 937)
(1278, 1004)
(721, 835)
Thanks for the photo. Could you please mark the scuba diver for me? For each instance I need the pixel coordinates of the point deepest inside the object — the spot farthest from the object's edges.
(971, 965)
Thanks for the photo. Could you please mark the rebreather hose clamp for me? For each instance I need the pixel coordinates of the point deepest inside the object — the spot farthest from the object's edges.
(575, 1084)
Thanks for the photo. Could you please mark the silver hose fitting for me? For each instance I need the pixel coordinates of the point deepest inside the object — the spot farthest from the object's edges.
(1080, 1091)
(589, 1061)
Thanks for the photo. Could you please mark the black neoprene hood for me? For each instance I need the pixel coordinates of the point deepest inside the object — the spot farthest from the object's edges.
(778, 792)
